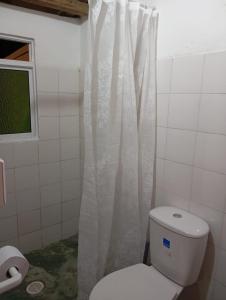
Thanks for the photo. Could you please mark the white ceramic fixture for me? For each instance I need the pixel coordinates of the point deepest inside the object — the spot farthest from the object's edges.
(177, 247)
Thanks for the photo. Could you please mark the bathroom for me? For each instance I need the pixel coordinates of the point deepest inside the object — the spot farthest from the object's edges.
(44, 172)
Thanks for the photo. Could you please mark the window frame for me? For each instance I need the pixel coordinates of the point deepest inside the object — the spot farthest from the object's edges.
(23, 66)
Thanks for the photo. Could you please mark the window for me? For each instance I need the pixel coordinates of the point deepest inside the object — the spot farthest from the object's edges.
(18, 111)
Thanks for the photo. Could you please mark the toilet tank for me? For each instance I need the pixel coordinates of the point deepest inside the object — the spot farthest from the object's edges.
(178, 242)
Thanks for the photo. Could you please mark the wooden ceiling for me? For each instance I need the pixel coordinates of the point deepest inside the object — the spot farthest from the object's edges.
(67, 8)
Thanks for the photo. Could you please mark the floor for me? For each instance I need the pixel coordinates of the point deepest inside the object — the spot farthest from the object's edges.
(55, 266)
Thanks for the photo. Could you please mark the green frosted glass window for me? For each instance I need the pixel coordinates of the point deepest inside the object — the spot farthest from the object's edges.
(15, 113)
(18, 101)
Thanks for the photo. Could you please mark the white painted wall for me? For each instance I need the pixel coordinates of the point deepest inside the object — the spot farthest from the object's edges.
(190, 26)
(57, 40)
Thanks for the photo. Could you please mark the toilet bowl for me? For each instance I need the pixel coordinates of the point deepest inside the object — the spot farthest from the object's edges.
(138, 282)
(177, 247)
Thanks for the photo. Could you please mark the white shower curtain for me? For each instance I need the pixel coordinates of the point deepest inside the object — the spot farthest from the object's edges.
(119, 138)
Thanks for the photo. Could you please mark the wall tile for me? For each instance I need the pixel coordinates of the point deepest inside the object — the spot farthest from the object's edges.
(221, 270)
(28, 200)
(10, 228)
(164, 68)
(70, 148)
(31, 241)
(41, 173)
(69, 126)
(213, 218)
(69, 104)
(161, 141)
(162, 109)
(196, 103)
(51, 215)
(69, 210)
(6, 153)
(187, 74)
(180, 145)
(49, 151)
(51, 194)
(209, 188)
(25, 153)
(219, 291)
(223, 234)
(47, 79)
(69, 81)
(214, 74)
(160, 164)
(27, 177)
(48, 104)
(183, 111)
(70, 190)
(12, 242)
(70, 169)
(212, 113)
(10, 208)
(10, 180)
(29, 221)
(210, 263)
(69, 228)
(178, 180)
(210, 152)
(48, 128)
(49, 173)
(51, 234)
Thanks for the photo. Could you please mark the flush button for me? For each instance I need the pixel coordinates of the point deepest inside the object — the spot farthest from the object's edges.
(176, 215)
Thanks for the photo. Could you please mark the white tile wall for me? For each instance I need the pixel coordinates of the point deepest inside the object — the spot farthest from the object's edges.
(51, 215)
(27, 177)
(47, 80)
(8, 228)
(29, 221)
(69, 210)
(49, 173)
(214, 80)
(48, 128)
(69, 228)
(51, 234)
(180, 145)
(164, 75)
(212, 113)
(7, 154)
(43, 174)
(11, 208)
(31, 241)
(187, 74)
(70, 190)
(70, 148)
(49, 151)
(51, 194)
(188, 106)
(161, 141)
(191, 152)
(223, 235)
(48, 104)
(162, 111)
(25, 153)
(28, 200)
(210, 152)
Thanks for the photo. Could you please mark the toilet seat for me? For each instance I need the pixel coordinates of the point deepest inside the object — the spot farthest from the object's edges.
(138, 282)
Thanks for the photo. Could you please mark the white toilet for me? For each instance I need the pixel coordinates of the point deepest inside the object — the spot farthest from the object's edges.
(177, 248)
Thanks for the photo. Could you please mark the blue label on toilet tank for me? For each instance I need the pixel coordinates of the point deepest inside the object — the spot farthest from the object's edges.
(166, 243)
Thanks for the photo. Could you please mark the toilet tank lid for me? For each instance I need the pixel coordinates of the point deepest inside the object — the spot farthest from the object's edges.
(180, 221)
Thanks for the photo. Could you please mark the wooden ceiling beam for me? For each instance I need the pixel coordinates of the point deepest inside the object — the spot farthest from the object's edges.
(70, 8)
